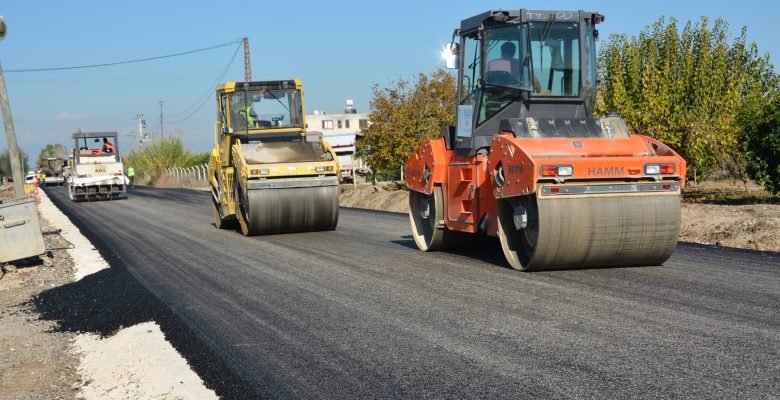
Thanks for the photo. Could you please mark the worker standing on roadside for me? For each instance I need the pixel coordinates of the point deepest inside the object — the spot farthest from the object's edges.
(130, 175)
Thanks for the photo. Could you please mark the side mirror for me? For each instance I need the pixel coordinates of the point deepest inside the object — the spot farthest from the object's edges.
(450, 55)
(3, 28)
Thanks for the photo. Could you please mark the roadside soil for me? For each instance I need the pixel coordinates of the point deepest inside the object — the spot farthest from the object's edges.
(35, 360)
(721, 213)
(64, 333)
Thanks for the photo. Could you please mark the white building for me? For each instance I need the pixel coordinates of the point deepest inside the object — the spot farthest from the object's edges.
(341, 130)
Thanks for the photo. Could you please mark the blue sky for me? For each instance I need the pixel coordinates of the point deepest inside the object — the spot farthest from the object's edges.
(337, 49)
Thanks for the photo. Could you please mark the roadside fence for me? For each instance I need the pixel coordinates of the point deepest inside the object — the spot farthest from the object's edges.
(189, 177)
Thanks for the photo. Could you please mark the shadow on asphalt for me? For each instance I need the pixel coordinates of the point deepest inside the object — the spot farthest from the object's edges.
(111, 299)
(477, 247)
(188, 196)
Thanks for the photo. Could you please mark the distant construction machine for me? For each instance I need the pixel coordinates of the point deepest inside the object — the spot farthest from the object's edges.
(266, 170)
(52, 171)
(529, 163)
(96, 168)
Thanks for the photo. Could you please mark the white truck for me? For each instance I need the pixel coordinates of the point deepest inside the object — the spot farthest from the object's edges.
(96, 167)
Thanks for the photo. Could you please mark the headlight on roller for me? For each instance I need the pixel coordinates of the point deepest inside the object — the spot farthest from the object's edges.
(660, 169)
(652, 169)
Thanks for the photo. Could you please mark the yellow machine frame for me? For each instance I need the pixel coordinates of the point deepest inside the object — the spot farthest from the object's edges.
(224, 165)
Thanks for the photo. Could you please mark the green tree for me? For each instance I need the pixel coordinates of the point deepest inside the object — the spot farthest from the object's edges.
(762, 146)
(51, 151)
(403, 115)
(686, 88)
(5, 163)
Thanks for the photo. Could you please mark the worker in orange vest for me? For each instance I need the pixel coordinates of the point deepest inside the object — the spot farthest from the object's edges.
(107, 146)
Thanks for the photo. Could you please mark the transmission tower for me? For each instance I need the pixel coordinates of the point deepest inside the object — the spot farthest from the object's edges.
(143, 137)
(247, 64)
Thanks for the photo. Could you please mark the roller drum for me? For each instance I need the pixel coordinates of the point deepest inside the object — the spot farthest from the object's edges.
(285, 210)
(589, 231)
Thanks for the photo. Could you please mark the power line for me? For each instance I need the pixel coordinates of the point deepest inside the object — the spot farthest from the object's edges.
(127, 61)
(209, 94)
(209, 91)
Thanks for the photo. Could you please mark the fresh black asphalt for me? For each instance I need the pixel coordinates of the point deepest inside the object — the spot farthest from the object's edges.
(360, 312)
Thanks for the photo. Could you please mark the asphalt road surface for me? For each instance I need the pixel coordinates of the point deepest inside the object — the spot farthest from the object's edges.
(360, 312)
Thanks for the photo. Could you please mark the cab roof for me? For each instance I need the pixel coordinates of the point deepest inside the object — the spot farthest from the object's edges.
(283, 84)
(526, 15)
(80, 135)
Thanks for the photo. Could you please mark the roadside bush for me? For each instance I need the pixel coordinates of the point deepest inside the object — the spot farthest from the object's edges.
(761, 145)
(159, 155)
(198, 159)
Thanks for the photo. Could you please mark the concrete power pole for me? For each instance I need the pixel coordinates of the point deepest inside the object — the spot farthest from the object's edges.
(10, 133)
(247, 64)
(161, 120)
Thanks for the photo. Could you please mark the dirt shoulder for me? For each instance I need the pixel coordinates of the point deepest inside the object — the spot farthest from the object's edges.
(35, 359)
(721, 213)
(58, 338)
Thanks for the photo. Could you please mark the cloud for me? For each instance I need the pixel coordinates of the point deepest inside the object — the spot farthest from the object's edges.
(72, 117)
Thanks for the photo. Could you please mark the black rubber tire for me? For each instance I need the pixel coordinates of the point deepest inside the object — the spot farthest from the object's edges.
(219, 221)
(425, 212)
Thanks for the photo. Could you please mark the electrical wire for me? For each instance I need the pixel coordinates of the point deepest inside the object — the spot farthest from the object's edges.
(211, 89)
(124, 62)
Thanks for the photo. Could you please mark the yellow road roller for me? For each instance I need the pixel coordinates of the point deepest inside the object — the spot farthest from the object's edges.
(267, 172)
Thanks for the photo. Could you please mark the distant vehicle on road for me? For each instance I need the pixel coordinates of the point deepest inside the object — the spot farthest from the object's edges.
(96, 167)
(52, 171)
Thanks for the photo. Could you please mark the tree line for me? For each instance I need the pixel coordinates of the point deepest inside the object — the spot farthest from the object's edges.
(694, 90)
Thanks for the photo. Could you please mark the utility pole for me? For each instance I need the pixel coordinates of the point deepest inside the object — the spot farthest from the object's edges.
(10, 133)
(161, 120)
(142, 136)
(247, 64)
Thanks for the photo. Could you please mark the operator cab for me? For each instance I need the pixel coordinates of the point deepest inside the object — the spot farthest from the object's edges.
(270, 108)
(532, 73)
(95, 147)
(267, 119)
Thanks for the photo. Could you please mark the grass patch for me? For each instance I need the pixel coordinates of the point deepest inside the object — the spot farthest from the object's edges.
(728, 196)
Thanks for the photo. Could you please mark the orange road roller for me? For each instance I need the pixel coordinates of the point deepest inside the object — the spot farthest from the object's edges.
(529, 163)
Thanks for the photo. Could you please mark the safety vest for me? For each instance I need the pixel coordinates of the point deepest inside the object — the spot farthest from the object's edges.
(246, 111)
(130, 171)
(108, 146)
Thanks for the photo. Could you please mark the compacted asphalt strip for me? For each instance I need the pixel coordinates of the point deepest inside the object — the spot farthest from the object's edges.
(360, 312)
